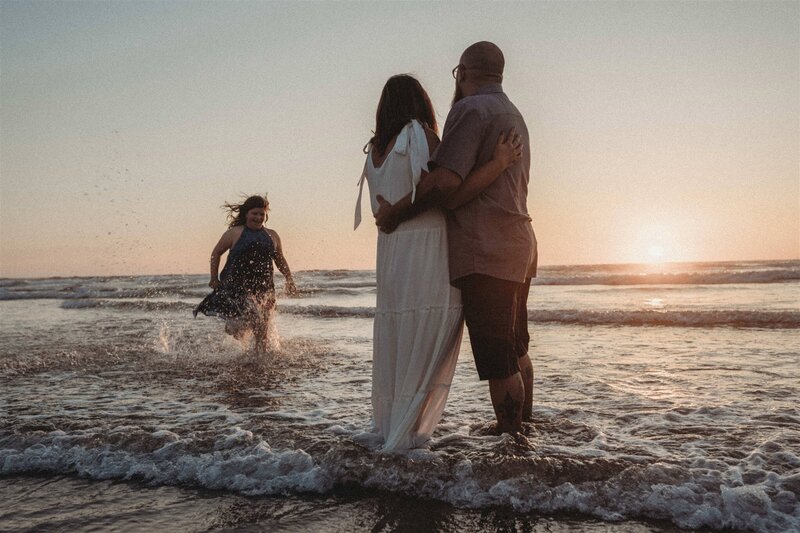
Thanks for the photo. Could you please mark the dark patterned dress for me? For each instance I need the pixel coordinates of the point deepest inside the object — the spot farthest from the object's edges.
(246, 286)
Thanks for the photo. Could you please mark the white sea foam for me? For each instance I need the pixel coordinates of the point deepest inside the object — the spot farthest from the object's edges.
(239, 461)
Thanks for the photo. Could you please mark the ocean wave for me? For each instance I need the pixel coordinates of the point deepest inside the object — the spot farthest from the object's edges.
(684, 278)
(346, 282)
(239, 462)
(686, 318)
(339, 285)
(582, 317)
(8, 282)
(362, 283)
(77, 293)
(117, 293)
(141, 305)
(341, 291)
(328, 311)
(357, 284)
(697, 494)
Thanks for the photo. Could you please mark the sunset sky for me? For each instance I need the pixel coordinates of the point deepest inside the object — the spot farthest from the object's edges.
(660, 131)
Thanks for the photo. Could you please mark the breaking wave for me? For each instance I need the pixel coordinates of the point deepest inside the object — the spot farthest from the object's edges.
(142, 305)
(686, 278)
(347, 282)
(699, 493)
(692, 319)
(77, 293)
(688, 318)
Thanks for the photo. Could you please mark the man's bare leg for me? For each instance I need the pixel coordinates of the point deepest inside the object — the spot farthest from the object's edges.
(526, 369)
(508, 395)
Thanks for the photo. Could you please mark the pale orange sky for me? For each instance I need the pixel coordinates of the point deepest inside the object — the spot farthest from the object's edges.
(660, 131)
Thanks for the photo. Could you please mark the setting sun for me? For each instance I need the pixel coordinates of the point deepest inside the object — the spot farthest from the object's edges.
(656, 253)
(656, 243)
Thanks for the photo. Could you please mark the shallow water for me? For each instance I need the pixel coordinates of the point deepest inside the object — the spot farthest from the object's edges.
(657, 405)
(131, 506)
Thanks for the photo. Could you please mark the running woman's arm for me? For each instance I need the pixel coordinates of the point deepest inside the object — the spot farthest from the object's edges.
(223, 245)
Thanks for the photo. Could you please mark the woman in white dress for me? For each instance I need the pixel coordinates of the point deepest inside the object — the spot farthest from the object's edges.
(418, 314)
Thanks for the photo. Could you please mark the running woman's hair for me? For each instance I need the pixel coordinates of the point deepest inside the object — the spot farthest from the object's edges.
(237, 213)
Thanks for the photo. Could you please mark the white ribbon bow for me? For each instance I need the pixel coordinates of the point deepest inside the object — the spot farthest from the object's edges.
(411, 140)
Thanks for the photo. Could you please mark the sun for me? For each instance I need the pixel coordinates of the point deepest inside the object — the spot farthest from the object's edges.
(655, 243)
(656, 253)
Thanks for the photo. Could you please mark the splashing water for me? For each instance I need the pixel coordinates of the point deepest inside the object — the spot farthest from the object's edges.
(686, 413)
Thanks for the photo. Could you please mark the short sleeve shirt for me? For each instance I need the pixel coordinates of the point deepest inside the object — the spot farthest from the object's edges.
(491, 234)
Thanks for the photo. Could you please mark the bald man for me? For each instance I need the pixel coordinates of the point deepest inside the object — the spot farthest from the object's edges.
(492, 246)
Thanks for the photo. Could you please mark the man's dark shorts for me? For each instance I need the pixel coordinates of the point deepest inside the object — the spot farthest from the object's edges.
(496, 313)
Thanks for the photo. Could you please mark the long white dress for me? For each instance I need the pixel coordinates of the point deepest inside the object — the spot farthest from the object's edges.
(418, 315)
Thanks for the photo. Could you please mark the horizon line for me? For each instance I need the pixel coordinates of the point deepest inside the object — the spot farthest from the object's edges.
(797, 259)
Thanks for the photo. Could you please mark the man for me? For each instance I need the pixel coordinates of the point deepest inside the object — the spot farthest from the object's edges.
(492, 247)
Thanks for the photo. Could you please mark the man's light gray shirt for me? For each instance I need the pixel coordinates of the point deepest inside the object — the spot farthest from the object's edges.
(492, 234)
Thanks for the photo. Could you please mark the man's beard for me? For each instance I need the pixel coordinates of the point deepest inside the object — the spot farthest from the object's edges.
(457, 95)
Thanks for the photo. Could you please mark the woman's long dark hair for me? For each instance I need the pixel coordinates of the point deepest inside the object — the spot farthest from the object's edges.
(402, 99)
(237, 213)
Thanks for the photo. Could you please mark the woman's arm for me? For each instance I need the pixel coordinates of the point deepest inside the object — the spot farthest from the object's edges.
(224, 244)
(444, 187)
(283, 265)
(507, 151)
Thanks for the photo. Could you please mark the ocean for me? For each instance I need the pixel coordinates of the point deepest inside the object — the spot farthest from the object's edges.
(665, 398)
